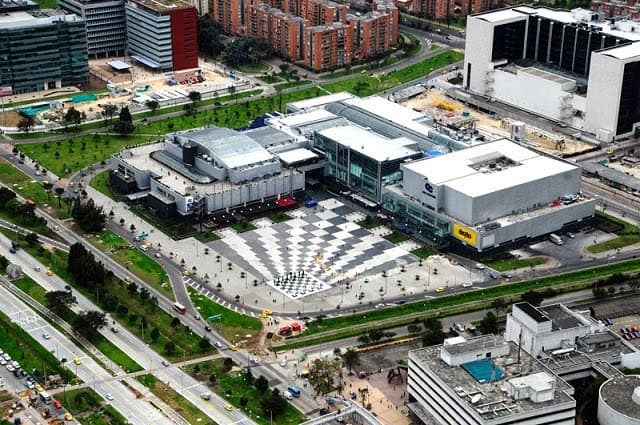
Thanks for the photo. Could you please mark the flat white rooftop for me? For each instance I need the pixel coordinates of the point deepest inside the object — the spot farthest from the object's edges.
(296, 155)
(625, 52)
(369, 143)
(385, 108)
(23, 19)
(501, 15)
(456, 169)
(306, 117)
(320, 101)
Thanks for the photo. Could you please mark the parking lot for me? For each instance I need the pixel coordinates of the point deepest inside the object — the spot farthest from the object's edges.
(628, 327)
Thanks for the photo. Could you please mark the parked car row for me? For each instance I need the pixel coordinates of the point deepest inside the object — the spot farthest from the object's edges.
(607, 321)
(630, 333)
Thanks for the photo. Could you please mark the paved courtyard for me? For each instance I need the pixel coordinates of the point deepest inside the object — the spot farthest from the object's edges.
(318, 248)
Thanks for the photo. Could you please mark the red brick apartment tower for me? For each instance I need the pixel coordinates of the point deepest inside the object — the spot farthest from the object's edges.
(282, 30)
(388, 7)
(321, 12)
(231, 14)
(328, 46)
(371, 35)
(184, 38)
(436, 9)
(613, 8)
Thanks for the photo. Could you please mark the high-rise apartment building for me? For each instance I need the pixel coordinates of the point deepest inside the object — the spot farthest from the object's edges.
(105, 21)
(162, 34)
(282, 30)
(42, 49)
(327, 46)
(617, 8)
(322, 12)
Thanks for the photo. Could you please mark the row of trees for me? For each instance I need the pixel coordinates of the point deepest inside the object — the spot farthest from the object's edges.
(89, 216)
(26, 211)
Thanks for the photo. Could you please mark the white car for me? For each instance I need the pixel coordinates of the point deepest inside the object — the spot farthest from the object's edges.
(46, 335)
(283, 363)
(10, 368)
(108, 396)
(480, 266)
(218, 344)
(287, 395)
(467, 285)
(7, 357)
(2, 361)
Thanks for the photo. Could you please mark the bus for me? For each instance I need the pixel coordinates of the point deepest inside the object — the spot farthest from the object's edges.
(179, 308)
(295, 391)
(45, 397)
(555, 239)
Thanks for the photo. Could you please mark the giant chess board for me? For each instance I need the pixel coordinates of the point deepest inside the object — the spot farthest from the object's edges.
(320, 241)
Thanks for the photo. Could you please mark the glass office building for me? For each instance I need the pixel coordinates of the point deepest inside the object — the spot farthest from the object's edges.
(42, 50)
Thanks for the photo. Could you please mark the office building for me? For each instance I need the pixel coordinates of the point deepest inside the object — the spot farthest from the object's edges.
(488, 195)
(7, 6)
(571, 67)
(42, 50)
(105, 21)
(162, 34)
(486, 380)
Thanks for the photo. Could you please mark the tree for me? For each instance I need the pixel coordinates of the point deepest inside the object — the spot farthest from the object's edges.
(26, 124)
(188, 109)
(89, 216)
(227, 363)
(243, 402)
(72, 117)
(109, 110)
(83, 267)
(433, 333)
(261, 384)
(88, 323)
(532, 297)
(125, 122)
(204, 343)
(6, 195)
(273, 404)
(32, 239)
(375, 335)
(58, 301)
(209, 33)
(195, 96)
(170, 347)
(325, 375)
(351, 359)
(175, 322)
(498, 305)
(489, 324)
(155, 334)
(153, 105)
(47, 187)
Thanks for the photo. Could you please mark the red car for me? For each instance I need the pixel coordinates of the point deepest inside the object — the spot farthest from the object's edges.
(57, 404)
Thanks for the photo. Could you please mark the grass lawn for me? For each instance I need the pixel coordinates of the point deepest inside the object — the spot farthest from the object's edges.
(627, 233)
(424, 252)
(20, 183)
(88, 408)
(232, 386)
(181, 405)
(365, 85)
(516, 263)
(243, 227)
(115, 354)
(284, 86)
(106, 416)
(140, 264)
(370, 222)
(207, 237)
(254, 68)
(232, 325)
(279, 217)
(101, 183)
(24, 349)
(396, 237)
(31, 288)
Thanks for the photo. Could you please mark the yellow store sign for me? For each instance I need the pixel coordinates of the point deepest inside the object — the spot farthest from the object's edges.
(464, 234)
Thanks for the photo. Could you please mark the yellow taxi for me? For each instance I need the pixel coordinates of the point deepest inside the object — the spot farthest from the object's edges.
(39, 388)
(49, 272)
(228, 407)
(68, 416)
(233, 347)
(77, 361)
(127, 279)
(440, 289)
(186, 272)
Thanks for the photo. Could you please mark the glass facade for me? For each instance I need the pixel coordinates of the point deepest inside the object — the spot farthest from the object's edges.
(39, 57)
(415, 219)
(357, 171)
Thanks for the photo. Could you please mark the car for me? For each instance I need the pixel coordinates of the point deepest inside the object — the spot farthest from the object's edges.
(108, 396)
(624, 330)
(207, 328)
(157, 254)
(68, 416)
(37, 268)
(287, 395)
(493, 275)
(114, 329)
(379, 305)
(39, 388)
(49, 272)
(634, 328)
(127, 279)
(2, 361)
(195, 316)
(467, 285)
(228, 407)
(57, 404)
(283, 363)
(506, 275)
(218, 344)
(570, 235)
(627, 337)
(255, 360)
(165, 363)
(77, 361)
(67, 288)
(10, 368)
(6, 356)
(440, 289)
(186, 272)
(29, 385)
(233, 347)
(46, 335)
(480, 266)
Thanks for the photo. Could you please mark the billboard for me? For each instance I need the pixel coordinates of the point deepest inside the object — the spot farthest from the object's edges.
(465, 234)
(6, 90)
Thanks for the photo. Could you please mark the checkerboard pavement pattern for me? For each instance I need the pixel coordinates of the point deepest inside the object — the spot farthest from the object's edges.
(324, 242)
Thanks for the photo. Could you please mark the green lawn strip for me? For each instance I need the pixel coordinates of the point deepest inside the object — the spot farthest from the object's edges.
(181, 405)
(269, 79)
(288, 85)
(627, 233)
(516, 263)
(206, 237)
(616, 243)
(467, 297)
(232, 386)
(140, 264)
(33, 226)
(105, 416)
(27, 351)
(101, 183)
(31, 288)
(22, 184)
(243, 227)
(424, 252)
(231, 325)
(279, 217)
(396, 237)
(88, 408)
(365, 85)
(115, 354)
(370, 222)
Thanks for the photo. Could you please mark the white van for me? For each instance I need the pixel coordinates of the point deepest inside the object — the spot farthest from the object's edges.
(287, 395)
(206, 396)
